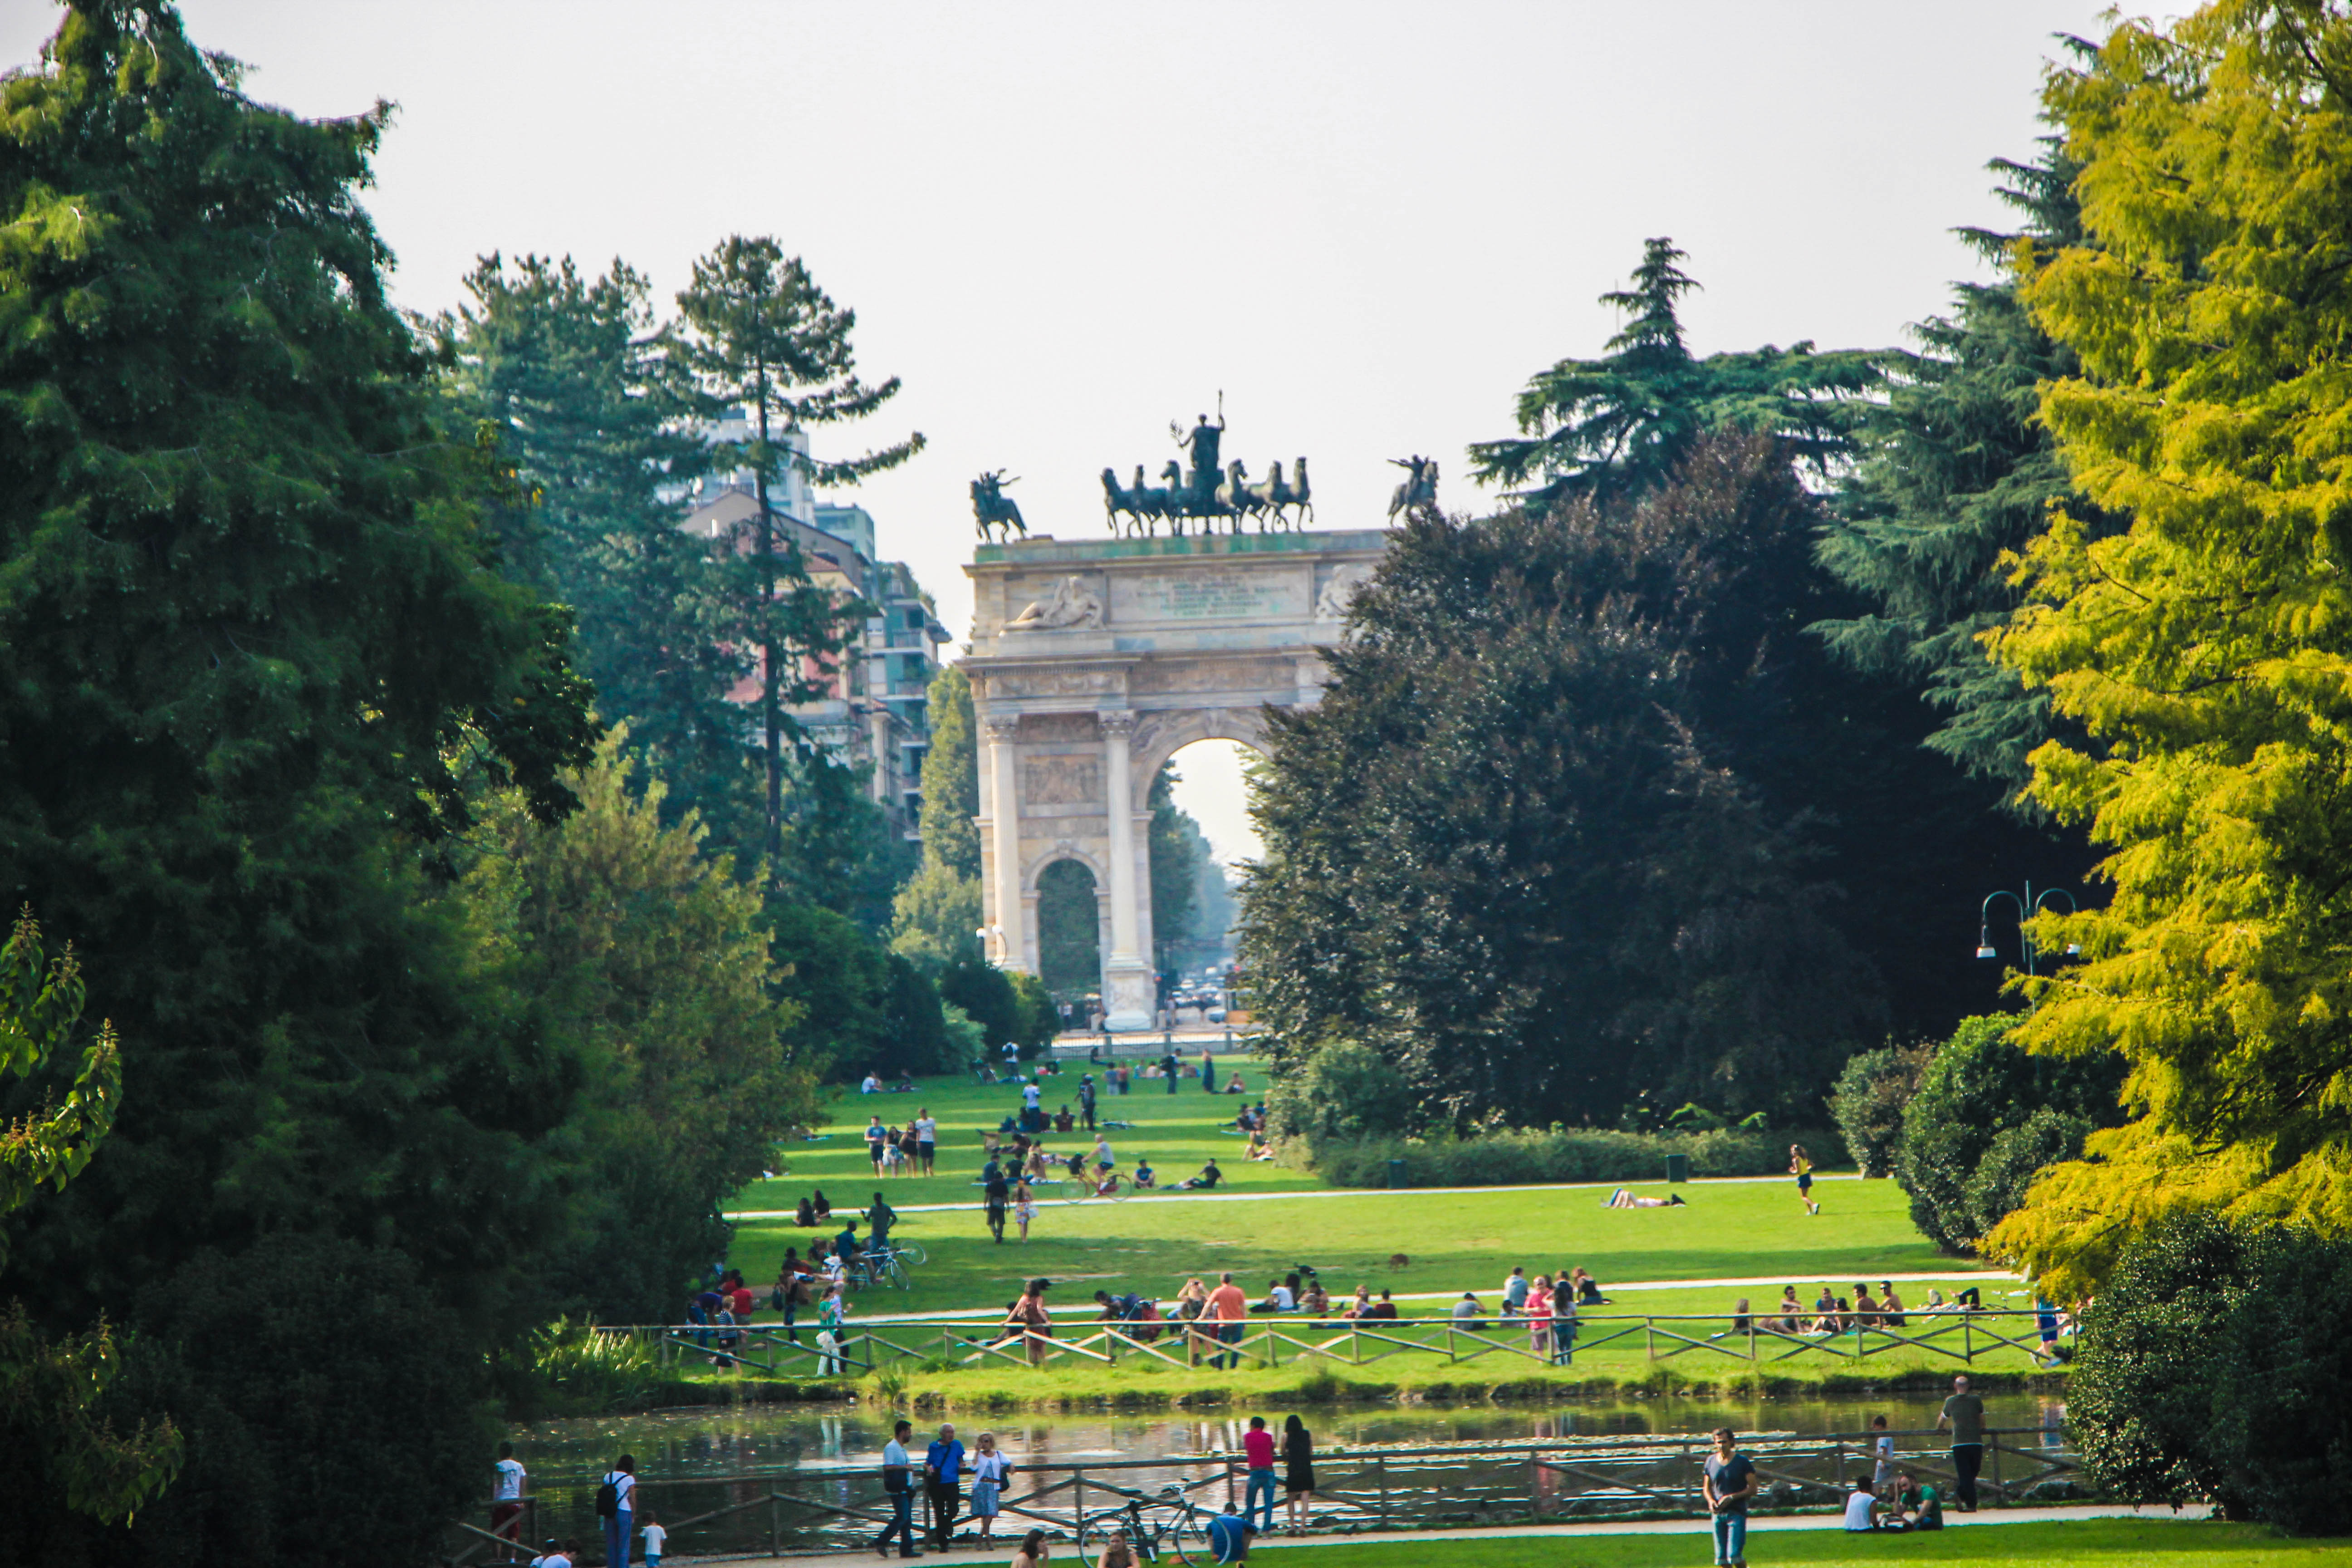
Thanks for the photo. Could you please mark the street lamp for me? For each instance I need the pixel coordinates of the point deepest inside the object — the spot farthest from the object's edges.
(2028, 906)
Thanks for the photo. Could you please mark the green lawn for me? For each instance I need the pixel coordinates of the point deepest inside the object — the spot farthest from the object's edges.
(1455, 1241)
(2081, 1543)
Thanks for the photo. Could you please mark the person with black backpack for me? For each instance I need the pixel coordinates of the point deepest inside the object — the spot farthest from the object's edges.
(896, 1482)
(617, 1510)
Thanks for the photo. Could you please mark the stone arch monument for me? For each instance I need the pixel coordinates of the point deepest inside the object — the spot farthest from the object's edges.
(1093, 663)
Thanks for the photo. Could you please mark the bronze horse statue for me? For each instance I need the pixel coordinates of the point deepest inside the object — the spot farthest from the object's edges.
(992, 506)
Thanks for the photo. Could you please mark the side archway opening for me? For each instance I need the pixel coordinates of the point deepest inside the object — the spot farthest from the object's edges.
(1069, 922)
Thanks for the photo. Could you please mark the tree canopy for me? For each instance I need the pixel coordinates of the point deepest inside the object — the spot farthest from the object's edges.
(2204, 646)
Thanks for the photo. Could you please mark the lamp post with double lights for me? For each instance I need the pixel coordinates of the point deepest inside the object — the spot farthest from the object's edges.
(2028, 906)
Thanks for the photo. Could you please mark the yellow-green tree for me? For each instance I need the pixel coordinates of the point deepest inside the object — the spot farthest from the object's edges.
(2207, 649)
(50, 1389)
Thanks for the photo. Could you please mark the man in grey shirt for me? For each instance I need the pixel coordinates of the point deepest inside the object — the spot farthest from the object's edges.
(1964, 1414)
(1515, 1293)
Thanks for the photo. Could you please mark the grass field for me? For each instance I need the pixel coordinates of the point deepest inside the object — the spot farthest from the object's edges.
(2079, 1543)
(1462, 1240)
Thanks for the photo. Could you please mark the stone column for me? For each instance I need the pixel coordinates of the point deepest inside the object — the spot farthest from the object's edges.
(1004, 840)
(1127, 989)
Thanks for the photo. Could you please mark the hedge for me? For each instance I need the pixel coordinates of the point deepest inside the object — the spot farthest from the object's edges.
(1507, 1159)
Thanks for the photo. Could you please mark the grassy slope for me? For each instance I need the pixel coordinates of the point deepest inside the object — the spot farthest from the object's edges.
(2081, 1543)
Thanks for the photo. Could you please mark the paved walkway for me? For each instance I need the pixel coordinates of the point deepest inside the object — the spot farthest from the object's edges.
(1693, 1527)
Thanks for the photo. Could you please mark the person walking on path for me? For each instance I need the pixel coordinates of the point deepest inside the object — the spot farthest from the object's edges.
(990, 1468)
(506, 1496)
(1086, 1101)
(1801, 1165)
(1298, 1469)
(654, 1536)
(1257, 1448)
(927, 1137)
(1730, 1482)
(619, 1494)
(900, 1489)
(942, 1483)
(1964, 1414)
(1230, 1310)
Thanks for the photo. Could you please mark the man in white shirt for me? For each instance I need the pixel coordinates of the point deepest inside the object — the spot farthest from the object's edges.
(871, 1086)
(898, 1483)
(1861, 1507)
(927, 1139)
(506, 1495)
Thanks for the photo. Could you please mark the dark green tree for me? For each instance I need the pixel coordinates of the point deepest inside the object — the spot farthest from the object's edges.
(951, 776)
(1955, 470)
(567, 371)
(757, 335)
(256, 662)
(1069, 929)
(1178, 851)
(1531, 845)
(1615, 427)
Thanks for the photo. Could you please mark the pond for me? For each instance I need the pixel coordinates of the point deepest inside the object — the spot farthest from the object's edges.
(696, 1460)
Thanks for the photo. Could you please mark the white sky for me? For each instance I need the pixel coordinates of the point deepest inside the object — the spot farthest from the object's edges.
(1066, 224)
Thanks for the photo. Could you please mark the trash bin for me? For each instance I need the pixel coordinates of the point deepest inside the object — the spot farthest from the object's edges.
(1396, 1172)
(1678, 1167)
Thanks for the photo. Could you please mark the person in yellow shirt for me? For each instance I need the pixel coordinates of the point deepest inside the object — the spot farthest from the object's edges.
(1801, 1165)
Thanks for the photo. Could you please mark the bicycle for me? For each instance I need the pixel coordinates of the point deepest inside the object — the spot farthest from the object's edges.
(1111, 1186)
(1175, 1522)
(887, 1267)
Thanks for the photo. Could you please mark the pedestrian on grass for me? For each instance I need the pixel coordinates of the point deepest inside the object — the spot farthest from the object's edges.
(1231, 1310)
(1298, 1469)
(1171, 1069)
(877, 1138)
(1731, 1481)
(1964, 1414)
(1538, 1310)
(943, 1481)
(1036, 1322)
(898, 1486)
(1801, 1165)
(1257, 1448)
(1086, 1101)
(998, 1189)
(989, 1469)
(1208, 1069)
(1024, 1209)
(927, 1137)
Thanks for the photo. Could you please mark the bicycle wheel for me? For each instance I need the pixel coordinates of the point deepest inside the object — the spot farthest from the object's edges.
(914, 1255)
(1077, 1189)
(1095, 1533)
(1186, 1539)
(893, 1274)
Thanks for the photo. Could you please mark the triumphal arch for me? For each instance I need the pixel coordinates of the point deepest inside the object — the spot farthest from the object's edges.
(1093, 662)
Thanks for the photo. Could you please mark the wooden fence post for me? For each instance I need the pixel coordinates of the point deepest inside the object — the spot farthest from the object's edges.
(775, 1526)
(1997, 1487)
(1380, 1470)
(1078, 1507)
(1535, 1486)
(1968, 1346)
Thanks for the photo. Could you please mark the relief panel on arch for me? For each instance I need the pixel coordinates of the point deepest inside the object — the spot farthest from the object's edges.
(1213, 594)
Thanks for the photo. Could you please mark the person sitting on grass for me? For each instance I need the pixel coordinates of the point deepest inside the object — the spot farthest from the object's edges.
(1890, 1306)
(1064, 1121)
(1259, 1149)
(1865, 1309)
(1143, 1173)
(1314, 1299)
(1587, 1288)
(1790, 1319)
(1236, 1086)
(1917, 1504)
(1209, 1177)
(1861, 1507)
(1468, 1316)
(1623, 1198)
(1229, 1535)
(804, 1216)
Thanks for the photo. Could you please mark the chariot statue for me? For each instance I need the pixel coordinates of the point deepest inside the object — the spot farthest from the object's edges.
(1210, 490)
(991, 506)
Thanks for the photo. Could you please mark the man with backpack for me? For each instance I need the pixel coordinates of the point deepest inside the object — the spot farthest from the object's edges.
(896, 1482)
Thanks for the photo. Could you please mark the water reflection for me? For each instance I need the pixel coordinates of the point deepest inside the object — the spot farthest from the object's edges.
(731, 1441)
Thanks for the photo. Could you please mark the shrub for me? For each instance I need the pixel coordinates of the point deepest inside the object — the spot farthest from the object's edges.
(1978, 1087)
(2217, 1367)
(1499, 1158)
(2016, 1156)
(576, 1371)
(1867, 1103)
(1342, 1090)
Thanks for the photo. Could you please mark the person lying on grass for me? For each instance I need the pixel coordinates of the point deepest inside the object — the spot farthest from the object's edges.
(1623, 1198)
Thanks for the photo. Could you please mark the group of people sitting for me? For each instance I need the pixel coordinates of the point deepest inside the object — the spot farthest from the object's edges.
(872, 1083)
(1835, 1314)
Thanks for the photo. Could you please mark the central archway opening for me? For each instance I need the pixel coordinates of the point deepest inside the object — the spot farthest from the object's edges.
(1202, 835)
(1069, 930)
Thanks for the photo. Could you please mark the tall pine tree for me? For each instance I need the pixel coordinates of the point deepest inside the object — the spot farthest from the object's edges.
(757, 336)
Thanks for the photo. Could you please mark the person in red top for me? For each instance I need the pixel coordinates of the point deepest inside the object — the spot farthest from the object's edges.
(1257, 1445)
(1230, 1308)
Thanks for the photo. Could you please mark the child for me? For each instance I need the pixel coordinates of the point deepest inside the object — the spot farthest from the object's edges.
(655, 1535)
